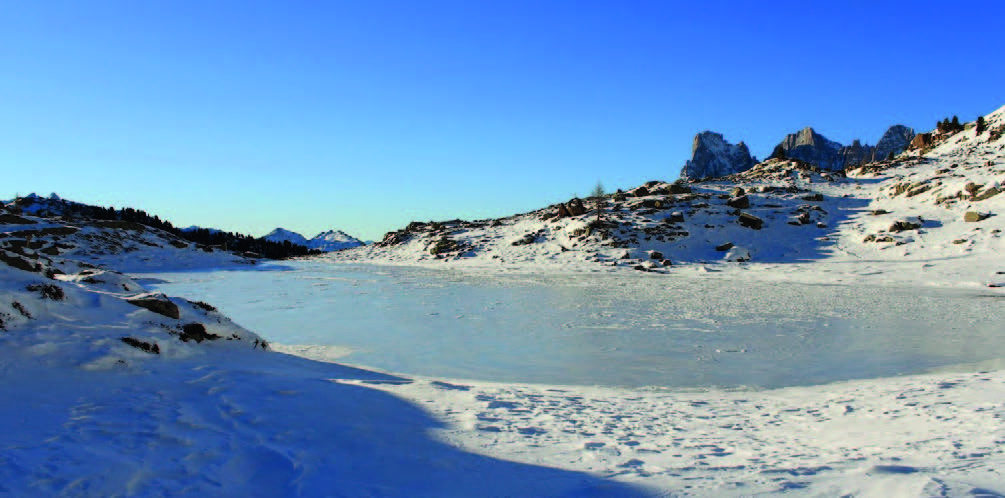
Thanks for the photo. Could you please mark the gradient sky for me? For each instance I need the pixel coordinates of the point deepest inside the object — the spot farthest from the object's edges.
(363, 115)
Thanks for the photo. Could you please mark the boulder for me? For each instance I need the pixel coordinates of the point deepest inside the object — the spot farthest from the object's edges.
(712, 157)
(750, 221)
(156, 302)
(576, 207)
(741, 202)
(737, 192)
(974, 216)
(676, 217)
(724, 247)
(639, 191)
(655, 255)
(904, 225)
(196, 332)
(817, 197)
(922, 140)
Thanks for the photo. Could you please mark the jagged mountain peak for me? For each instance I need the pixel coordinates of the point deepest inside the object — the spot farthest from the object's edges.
(712, 156)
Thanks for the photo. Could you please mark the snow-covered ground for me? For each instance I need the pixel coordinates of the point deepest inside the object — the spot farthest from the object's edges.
(110, 390)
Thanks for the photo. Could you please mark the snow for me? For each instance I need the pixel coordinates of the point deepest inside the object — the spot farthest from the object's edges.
(328, 241)
(86, 413)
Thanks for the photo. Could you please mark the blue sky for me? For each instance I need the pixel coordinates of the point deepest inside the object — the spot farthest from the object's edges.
(365, 115)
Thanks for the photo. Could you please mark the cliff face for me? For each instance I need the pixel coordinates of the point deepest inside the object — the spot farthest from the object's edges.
(712, 157)
(809, 146)
(812, 147)
(896, 140)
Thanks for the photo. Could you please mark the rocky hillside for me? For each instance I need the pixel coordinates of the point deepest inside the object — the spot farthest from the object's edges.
(779, 211)
(63, 300)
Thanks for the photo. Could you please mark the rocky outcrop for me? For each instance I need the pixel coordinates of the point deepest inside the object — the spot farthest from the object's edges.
(809, 146)
(856, 154)
(156, 302)
(712, 157)
(896, 140)
(812, 147)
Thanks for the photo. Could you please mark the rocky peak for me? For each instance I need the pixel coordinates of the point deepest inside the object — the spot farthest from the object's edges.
(712, 157)
(896, 140)
(809, 146)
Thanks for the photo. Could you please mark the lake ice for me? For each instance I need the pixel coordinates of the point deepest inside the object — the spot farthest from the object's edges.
(626, 330)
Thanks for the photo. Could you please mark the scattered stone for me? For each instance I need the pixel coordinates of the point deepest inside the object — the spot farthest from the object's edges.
(737, 192)
(147, 347)
(878, 212)
(750, 221)
(974, 216)
(156, 302)
(639, 192)
(960, 241)
(904, 225)
(655, 255)
(741, 202)
(47, 291)
(724, 247)
(666, 262)
(196, 332)
(813, 197)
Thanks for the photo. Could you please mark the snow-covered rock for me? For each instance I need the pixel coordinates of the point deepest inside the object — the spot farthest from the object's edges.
(712, 156)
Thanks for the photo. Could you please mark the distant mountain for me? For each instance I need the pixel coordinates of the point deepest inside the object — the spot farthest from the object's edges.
(712, 156)
(809, 146)
(331, 240)
(281, 235)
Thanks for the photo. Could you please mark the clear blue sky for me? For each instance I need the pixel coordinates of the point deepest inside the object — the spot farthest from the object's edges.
(366, 114)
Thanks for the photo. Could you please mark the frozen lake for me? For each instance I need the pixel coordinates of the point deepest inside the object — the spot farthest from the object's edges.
(617, 330)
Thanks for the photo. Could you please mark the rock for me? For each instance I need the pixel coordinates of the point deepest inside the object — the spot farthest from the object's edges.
(904, 225)
(813, 197)
(712, 157)
(639, 192)
(750, 221)
(974, 216)
(529, 238)
(576, 207)
(676, 189)
(562, 211)
(737, 192)
(18, 262)
(13, 219)
(146, 347)
(626, 255)
(922, 140)
(724, 247)
(741, 202)
(803, 218)
(156, 302)
(655, 255)
(666, 262)
(196, 332)
(896, 140)
(676, 217)
(877, 212)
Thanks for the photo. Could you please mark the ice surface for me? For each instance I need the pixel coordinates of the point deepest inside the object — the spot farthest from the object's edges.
(606, 329)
